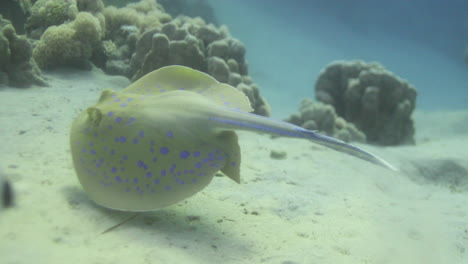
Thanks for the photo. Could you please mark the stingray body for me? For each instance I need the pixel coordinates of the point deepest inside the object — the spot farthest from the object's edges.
(164, 137)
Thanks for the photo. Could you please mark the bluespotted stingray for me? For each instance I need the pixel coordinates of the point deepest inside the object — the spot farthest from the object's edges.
(163, 138)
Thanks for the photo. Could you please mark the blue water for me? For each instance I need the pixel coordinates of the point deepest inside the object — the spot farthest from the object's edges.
(289, 42)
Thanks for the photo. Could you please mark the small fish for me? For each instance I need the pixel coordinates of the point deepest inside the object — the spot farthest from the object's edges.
(6, 193)
(164, 137)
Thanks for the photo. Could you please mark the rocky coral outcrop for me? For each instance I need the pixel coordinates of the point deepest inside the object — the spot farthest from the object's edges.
(17, 67)
(322, 117)
(193, 43)
(375, 100)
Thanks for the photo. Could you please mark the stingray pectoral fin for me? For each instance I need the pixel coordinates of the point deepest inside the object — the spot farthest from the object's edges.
(176, 78)
(231, 147)
(341, 146)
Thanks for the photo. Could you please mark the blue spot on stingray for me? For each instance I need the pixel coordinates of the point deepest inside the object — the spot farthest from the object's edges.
(135, 180)
(152, 150)
(198, 165)
(122, 139)
(124, 157)
(92, 151)
(118, 179)
(141, 164)
(163, 173)
(137, 188)
(184, 154)
(141, 133)
(169, 134)
(182, 182)
(178, 173)
(130, 121)
(129, 99)
(118, 119)
(162, 90)
(149, 174)
(233, 163)
(117, 100)
(109, 114)
(196, 154)
(123, 104)
(114, 170)
(156, 181)
(135, 141)
(194, 180)
(164, 150)
(109, 126)
(112, 152)
(155, 159)
(122, 169)
(168, 187)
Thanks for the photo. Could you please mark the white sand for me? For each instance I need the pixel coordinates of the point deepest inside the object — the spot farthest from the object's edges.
(317, 206)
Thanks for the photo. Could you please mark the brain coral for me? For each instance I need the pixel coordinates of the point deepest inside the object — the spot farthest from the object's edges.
(69, 44)
(375, 100)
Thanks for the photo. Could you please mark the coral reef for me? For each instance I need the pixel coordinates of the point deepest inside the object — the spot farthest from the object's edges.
(17, 68)
(135, 40)
(322, 117)
(69, 44)
(46, 13)
(17, 12)
(193, 43)
(375, 100)
(123, 27)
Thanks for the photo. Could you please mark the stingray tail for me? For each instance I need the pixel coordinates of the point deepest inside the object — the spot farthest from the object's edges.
(344, 147)
(252, 122)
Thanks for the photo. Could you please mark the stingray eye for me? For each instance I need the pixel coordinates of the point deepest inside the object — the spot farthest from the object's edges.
(7, 195)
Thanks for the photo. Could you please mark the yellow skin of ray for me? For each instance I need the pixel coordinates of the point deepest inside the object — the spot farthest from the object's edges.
(198, 122)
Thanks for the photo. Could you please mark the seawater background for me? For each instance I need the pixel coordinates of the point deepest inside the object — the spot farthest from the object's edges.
(289, 42)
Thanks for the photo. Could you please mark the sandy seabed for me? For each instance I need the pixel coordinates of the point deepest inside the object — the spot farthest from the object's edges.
(315, 206)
